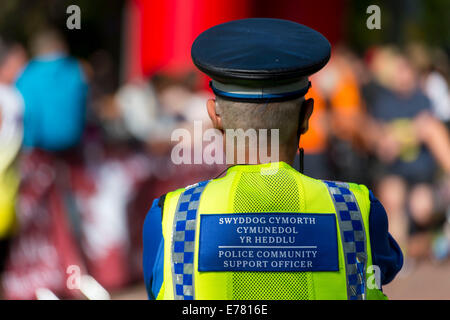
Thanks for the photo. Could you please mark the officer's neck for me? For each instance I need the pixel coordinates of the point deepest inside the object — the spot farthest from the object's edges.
(286, 155)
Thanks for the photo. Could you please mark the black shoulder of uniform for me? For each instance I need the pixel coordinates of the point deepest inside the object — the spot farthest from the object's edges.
(161, 204)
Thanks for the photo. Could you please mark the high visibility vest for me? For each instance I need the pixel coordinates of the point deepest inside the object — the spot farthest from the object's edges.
(272, 201)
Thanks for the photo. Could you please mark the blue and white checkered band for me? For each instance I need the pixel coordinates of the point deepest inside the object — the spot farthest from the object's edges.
(353, 238)
(283, 92)
(183, 241)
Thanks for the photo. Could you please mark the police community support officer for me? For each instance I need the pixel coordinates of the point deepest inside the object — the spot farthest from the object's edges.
(257, 233)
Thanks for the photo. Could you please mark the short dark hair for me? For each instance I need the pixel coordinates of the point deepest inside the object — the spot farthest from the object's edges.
(47, 39)
(6, 46)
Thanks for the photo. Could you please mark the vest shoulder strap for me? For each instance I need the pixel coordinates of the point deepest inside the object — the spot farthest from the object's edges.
(183, 241)
(353, 237)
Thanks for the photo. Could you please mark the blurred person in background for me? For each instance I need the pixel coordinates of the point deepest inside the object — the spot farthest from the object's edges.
(183, 108)
(122, 123)
(12, 60)
(316, 162)
(432, 66)
(409, 143)
(331, 144)
(55, 91)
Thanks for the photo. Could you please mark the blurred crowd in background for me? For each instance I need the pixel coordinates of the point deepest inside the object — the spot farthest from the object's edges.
(85, 130)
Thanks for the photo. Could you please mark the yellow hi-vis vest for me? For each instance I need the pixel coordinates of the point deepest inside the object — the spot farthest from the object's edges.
(268, 191)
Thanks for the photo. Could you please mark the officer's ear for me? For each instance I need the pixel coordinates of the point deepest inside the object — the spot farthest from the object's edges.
(213, 115)
(305, 113)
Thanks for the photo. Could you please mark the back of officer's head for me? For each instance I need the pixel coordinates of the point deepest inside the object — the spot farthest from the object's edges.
(244, 115)
(259, 69)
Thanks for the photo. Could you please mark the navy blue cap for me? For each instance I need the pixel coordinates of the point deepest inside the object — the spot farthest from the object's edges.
(260, 58)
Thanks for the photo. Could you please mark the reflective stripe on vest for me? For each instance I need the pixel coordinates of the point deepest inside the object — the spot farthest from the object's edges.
(183, 241)
(353, 237)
